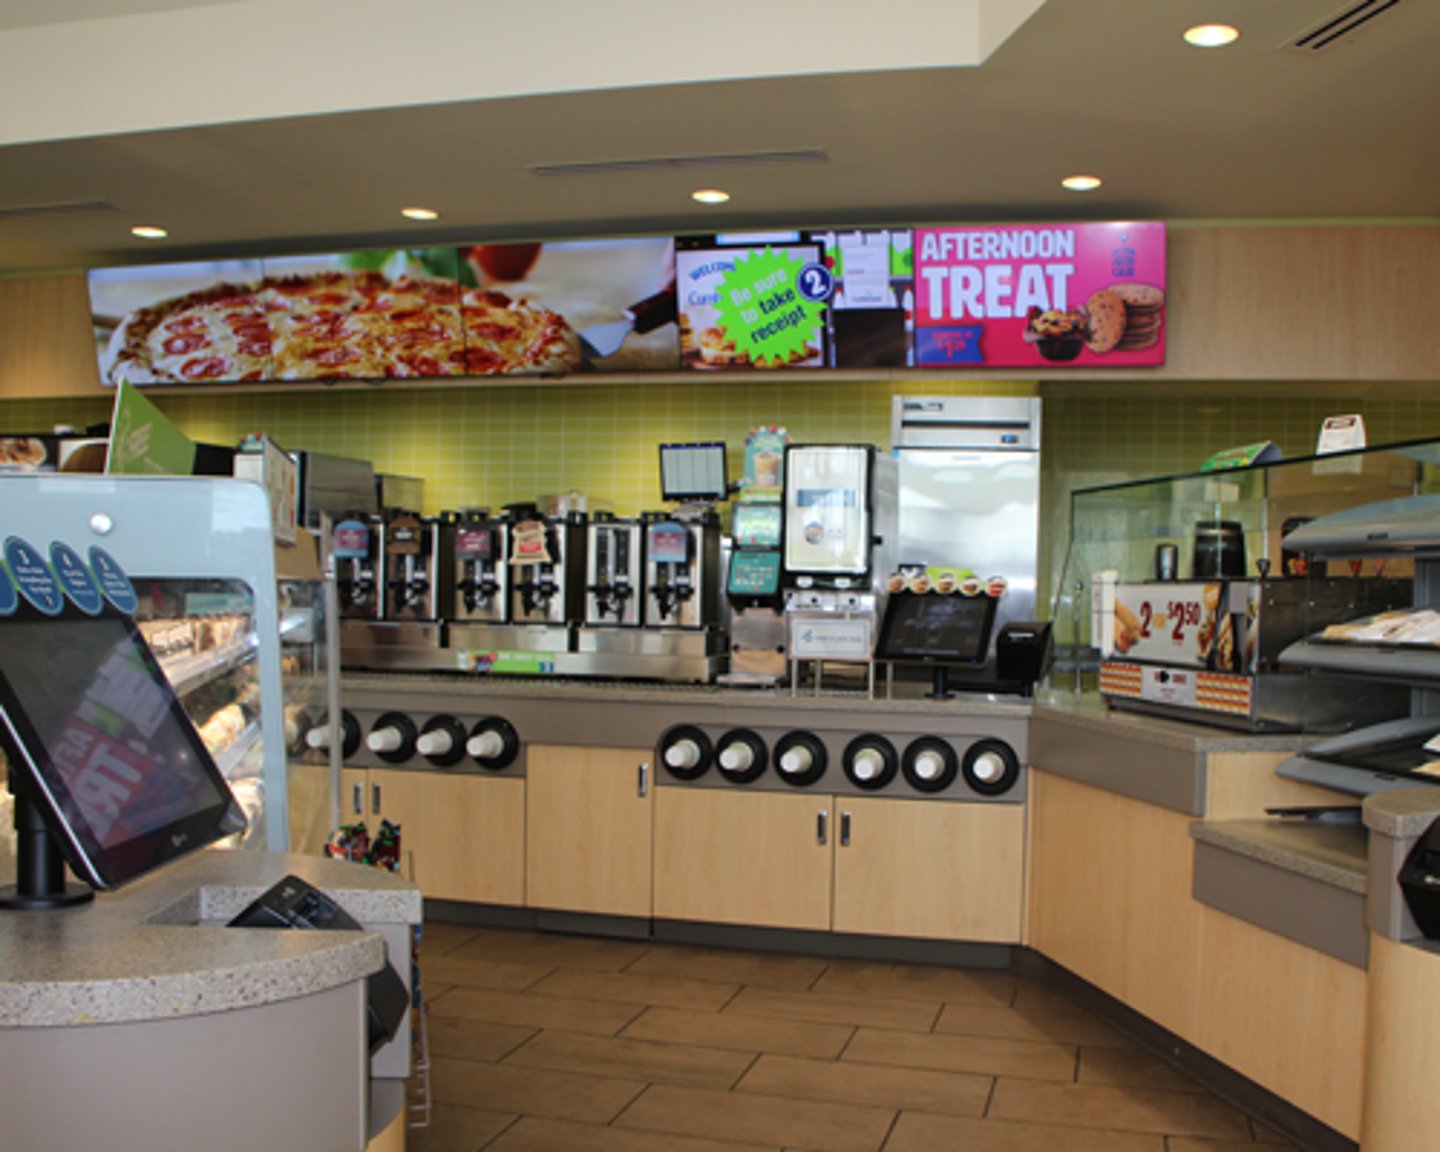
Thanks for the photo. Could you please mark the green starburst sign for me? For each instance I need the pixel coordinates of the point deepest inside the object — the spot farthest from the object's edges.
(763, 311)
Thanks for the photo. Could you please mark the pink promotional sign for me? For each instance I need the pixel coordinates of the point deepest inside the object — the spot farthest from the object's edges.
(1040, 295)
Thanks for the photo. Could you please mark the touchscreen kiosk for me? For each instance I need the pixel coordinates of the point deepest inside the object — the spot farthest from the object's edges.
(693, 473)
(105, 765)
(939, 630)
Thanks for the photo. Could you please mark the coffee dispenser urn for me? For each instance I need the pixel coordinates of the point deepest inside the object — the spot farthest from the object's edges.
(416, 563)
(354, 555)
(482, 574)
(613, 551)
(547, 569)
(682, 570)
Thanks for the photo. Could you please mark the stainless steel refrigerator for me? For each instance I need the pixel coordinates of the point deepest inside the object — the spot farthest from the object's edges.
(969, 482)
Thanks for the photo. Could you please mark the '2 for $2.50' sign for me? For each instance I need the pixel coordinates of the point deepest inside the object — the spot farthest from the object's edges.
(1167, 623)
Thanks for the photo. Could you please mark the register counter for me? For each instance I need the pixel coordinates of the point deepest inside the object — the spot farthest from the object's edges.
(138, 1021)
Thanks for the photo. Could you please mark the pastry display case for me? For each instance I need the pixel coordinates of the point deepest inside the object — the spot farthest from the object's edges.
(236, 621)
(1179, 595)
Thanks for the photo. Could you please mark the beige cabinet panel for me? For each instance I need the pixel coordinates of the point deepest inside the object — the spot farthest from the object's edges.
(743, 857)
(474, 838)
(1110, 883)
(1402, 1057)
(931, 870)
(588, 826)
(1290, 1018)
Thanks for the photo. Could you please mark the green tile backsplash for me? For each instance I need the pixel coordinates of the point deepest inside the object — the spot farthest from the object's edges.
(493, 444)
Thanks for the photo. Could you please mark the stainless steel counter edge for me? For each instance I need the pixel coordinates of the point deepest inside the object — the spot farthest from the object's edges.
(154, 950)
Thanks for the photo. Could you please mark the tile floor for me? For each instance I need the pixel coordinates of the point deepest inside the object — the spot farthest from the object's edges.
(550, 1043)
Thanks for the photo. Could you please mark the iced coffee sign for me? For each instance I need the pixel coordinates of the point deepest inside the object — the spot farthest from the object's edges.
(1046, 295)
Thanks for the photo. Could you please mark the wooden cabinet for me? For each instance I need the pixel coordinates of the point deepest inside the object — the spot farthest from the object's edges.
(462, 836)
(588, 827)
(934, 870)
(871, 865)
(733, 857)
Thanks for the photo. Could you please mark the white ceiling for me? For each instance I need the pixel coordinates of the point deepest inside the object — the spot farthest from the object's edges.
(1255, 131)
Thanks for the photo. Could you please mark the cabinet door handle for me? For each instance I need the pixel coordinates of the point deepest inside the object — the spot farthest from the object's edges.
(357, 799)
(375, 799)
(822, 820)
(642, 784)
(844, 829)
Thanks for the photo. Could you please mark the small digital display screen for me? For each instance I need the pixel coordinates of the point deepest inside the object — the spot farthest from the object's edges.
(111, 755)
(693, 473)
(935, 628)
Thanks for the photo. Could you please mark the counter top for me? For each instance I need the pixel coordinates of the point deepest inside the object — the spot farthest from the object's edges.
(911, 701)
(157, 949)
(1334, 854)
(1404, 813)
(1090, 714)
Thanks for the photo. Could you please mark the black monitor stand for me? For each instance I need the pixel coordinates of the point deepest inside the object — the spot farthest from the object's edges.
(40, 881)
(940, 684)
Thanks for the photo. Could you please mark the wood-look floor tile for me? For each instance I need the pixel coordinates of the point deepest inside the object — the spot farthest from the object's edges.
(744, 1033)
(681, 1064)
(462, 1039)
(1131, 1067)
(637, 988)
(1120, 1109)
(551, 949)
(982, 1056)
(919, 1132)
(952, 1093)
(1264, 1135)
(837, 1008)
(531, 1091)
(762, 970)
(1032, 1024)
(453, 969)
(538, 1135)
(1036, 994)
(454, 1128)
(438, 937)
(824, 1127)
(1196, 1144)
(920, 982)
(524, 1009)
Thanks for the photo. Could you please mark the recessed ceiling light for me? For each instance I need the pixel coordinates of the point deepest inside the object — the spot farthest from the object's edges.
(419, 214)
(1211, 35)
(710, 195)
(148, 232)
(1081, 183)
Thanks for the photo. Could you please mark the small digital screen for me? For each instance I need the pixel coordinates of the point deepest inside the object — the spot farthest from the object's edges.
(941, 629)
(113, 757)
(693, 472)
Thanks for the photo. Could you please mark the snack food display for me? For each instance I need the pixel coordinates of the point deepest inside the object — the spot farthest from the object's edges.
(337, 325)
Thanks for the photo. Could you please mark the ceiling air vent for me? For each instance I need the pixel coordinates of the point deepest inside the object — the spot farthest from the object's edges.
(58, 208)
(661, 163)
(1342, 25)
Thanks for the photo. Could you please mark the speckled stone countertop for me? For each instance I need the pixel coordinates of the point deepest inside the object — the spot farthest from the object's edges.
(909, 697)
(1404, 813)
(1334, 854)
(157, 949)
(1090, 714)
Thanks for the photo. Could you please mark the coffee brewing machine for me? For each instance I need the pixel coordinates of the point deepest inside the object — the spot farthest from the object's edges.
(547, 566)
(613, 570)
(480, 551)
(839, 532)
(354, 553)
(752, 585)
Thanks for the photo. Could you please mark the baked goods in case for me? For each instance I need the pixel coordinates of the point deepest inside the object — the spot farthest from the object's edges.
(338, 325)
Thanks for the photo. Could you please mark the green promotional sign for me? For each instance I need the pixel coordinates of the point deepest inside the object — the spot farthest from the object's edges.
(143, 441)
(769, 309)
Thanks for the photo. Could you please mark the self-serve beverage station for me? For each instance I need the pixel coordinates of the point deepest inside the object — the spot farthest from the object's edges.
(753, 587)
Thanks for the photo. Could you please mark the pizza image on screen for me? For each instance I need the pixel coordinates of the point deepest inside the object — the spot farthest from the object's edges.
(337, 325)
